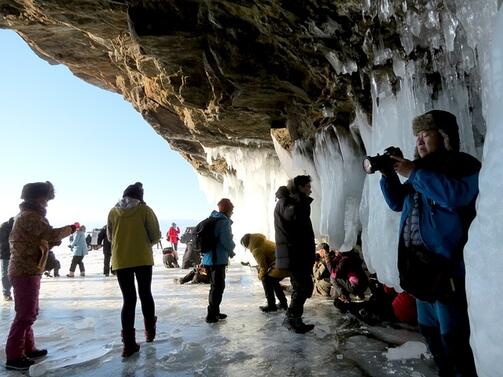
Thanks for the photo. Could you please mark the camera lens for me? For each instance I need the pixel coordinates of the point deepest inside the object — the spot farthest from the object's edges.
(367, 165)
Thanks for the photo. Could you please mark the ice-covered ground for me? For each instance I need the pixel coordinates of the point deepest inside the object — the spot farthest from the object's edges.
(79, 323)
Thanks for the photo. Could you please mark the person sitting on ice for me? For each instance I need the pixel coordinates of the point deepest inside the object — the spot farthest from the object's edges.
(198, 275)
(169, 258)
(263, 251)
(348, 275)
(321, 274)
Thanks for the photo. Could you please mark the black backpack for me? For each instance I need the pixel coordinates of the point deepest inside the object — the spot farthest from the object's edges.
(203, 237)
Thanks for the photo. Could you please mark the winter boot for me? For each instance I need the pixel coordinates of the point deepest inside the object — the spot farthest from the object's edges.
(129, 340)
(82, 273)
(221, 316)
(35, 354)
(150, 329)
(296, 324)
(269, 308)
(71, 274)
(21, 363)
(283, 305)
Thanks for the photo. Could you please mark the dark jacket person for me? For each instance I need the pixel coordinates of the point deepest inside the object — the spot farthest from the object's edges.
(295, 247)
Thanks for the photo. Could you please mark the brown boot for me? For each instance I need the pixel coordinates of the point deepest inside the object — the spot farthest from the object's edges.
(150, 329)
(129, 340)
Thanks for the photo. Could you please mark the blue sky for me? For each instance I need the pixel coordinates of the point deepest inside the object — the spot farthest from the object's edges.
(88, 142)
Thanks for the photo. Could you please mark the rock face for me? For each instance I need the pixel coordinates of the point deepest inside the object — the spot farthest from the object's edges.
(213, 73)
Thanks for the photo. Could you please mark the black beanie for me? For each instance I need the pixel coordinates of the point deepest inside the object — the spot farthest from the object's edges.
(134, 191)
(37, 190)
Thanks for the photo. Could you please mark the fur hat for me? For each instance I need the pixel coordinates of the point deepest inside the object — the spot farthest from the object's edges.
(37, 190)
(225, 205)
(134, 191)
(442, 121)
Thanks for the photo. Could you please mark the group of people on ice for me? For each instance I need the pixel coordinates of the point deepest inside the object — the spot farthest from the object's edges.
(436, 202)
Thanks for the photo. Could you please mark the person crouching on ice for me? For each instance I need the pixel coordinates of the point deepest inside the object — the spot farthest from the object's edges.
(30, 240)
(263, 251)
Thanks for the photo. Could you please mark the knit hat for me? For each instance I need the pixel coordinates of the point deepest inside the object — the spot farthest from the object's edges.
(134, 191)
(225, 205)
(37, 190)
(442, 121)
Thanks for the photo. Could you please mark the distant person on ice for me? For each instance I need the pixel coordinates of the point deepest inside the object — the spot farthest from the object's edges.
(79, 248)
(5, 230)
(215, 261)
(173, 236)
(295, 247)
(263, 251)
(107, 250)
(437, 202)
(30, 240)
(133, 229)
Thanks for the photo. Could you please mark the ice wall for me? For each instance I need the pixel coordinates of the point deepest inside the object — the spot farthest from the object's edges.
(483, 252)
(255, 174)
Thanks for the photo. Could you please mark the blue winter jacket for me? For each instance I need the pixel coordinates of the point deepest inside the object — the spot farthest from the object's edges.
(225, 244)
(448, 190)
(79, 245)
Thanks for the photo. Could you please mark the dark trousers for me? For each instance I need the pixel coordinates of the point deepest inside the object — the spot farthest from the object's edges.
(271, 286)
(126, 277)
(77, 260)
(106, 264)
(302, 285)
(217, 281)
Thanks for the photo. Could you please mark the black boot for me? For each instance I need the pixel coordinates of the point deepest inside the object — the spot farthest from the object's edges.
(296, 324)
(283, 305)
(269, 308)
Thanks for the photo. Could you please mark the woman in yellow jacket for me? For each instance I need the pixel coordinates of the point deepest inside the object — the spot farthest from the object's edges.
(263, 251)
(133, 229)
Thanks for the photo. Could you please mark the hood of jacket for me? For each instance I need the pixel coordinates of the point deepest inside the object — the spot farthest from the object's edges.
(127, 206)
(220, 215)
(256, 240)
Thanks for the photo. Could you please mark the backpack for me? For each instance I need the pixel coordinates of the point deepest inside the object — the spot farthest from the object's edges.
(203, 237)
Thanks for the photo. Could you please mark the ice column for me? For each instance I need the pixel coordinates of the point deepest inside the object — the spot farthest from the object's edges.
(337, 159)
(483, 252)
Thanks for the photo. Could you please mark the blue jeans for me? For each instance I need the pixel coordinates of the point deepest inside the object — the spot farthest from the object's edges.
(6, 285)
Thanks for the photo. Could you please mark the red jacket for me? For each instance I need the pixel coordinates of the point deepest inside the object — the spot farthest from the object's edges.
(173, 233)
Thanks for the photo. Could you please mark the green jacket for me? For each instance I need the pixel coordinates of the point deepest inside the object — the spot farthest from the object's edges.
(132, 229)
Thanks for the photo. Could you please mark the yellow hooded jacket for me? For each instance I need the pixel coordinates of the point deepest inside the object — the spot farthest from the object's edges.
(263, 251)
(132, 230)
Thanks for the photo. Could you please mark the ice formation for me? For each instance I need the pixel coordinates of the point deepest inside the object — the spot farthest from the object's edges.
(458, 35)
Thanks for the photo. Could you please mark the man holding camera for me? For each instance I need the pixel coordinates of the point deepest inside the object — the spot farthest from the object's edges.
(437, 202)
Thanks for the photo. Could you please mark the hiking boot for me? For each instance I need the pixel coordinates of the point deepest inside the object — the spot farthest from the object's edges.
(36, 354)
(7, 297)
(22, 363)
(296, 324)
(269, 308)
(150, 329)
(129, 340)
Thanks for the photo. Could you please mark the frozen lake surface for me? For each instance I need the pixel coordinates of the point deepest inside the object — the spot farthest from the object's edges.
(79, 323)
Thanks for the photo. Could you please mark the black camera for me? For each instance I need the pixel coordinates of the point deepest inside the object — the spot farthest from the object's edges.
(383, 162)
